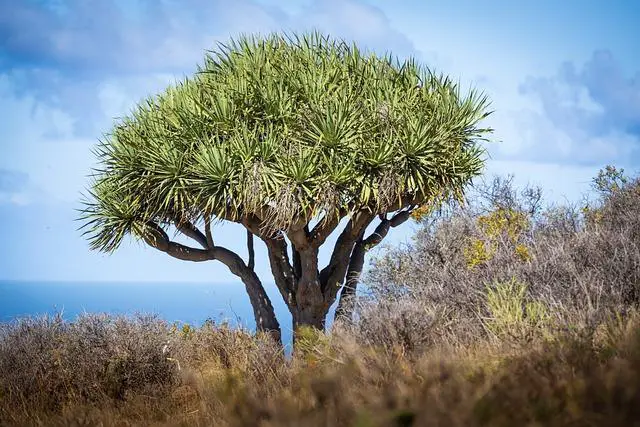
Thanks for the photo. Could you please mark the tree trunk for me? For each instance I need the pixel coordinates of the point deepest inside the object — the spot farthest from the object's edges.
(265, 316)
(310, 315)
(310, 308)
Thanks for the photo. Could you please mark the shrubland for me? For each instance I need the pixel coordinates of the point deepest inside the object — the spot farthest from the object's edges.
(500, 311)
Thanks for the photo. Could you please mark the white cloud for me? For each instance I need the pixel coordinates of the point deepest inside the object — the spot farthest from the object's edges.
(39, 142)
(590, 117)
(23, 118)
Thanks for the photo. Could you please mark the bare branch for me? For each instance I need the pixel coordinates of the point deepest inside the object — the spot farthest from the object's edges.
(281, 268)
(383, 228)
(159, 239)
(323, 229)
(332, 276)
(263, 310)
(401, 217)
(356, 261)
(190, 230)
(252, 254)
(356, 264)
(207, 229)
(297, 265)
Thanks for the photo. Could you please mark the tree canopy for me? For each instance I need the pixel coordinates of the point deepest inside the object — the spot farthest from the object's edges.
(278, 133)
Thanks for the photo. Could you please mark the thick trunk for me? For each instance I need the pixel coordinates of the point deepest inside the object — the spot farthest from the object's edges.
(311, 308)
(310, 316)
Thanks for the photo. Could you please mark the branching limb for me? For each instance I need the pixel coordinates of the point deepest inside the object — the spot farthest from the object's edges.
(281, 268)
(323, 229)
(297, 265)
(299, 238)
(332, 276)
(190, 230)
(158, 238)
(382, 229)
(347, 296)
(356, 262)
(264, 313)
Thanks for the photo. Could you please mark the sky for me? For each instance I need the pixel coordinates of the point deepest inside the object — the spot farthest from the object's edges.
(563, 77)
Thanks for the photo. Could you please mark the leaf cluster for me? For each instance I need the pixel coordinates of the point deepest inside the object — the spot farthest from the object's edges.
(286, 129)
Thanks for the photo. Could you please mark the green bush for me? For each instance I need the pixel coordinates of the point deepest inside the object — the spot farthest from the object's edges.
(511, 314)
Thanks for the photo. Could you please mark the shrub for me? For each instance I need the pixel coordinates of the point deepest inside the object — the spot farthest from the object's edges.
(48, 363)
(580, 269)
(512, 315)
(570, 380)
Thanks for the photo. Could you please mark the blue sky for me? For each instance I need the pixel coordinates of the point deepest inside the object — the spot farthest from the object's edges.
(564, 78)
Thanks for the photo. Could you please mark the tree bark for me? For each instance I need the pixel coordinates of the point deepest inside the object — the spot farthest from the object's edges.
(348, 293)
(310, 309)
(265, 316)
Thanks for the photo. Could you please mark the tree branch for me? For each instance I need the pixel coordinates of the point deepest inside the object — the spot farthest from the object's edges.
(263, 310)
(299, 237)
(300, 240)
(347, 296)
(252, 254)
(281, 268)
(159, 239)
(332, 276)
(297, 265)
(356, 261)
(207, 229)
(323, 229)
(383, 228)
(190, 230)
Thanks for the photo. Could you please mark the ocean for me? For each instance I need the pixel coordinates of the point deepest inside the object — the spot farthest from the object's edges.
(191, 303)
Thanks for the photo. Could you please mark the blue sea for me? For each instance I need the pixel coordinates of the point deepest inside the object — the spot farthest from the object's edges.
(191, 303)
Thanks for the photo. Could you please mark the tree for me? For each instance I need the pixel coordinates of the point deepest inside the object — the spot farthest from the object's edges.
(287, 136)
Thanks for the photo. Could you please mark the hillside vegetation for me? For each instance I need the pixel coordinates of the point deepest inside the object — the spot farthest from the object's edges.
(502, 311)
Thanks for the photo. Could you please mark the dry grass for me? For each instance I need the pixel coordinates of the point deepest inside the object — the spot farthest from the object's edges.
(333, 380)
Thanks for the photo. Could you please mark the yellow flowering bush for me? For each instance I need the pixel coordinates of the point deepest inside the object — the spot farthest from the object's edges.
(494, 226)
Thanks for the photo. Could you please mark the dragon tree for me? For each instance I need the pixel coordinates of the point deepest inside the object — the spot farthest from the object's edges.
(294, 137)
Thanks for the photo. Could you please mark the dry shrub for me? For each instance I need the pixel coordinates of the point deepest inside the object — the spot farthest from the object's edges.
(566, 381)
(46, 362)
(407, 324)
(579, 266)
(122, 370)
(571, 380)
